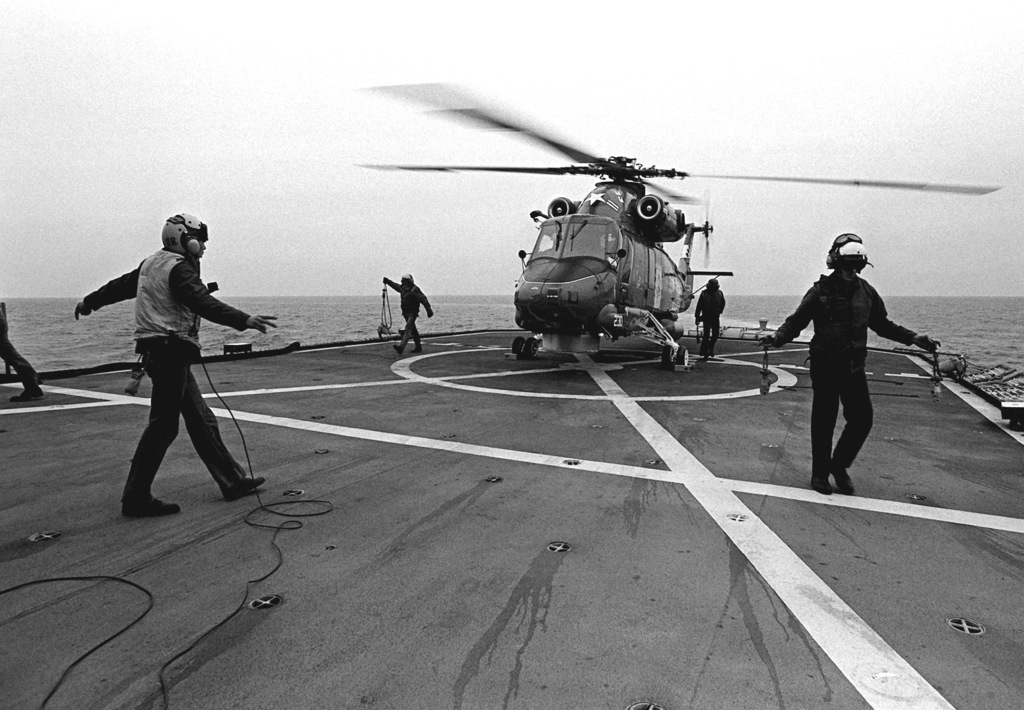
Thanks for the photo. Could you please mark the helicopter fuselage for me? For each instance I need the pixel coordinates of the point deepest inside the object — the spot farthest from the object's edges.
(597, 264)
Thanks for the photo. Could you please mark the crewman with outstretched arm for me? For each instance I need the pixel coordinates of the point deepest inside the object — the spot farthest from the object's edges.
(842, 307)
(412, 298)
(170, 300)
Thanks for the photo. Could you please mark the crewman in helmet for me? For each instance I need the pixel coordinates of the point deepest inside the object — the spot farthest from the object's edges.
(710, 306)
(170, 300)
(842, 307)
(412, 298)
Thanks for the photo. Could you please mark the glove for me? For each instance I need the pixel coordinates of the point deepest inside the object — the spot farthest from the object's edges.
(82, 310)
(385, 279)
(925, 343)
(430, 314)
(766, 341)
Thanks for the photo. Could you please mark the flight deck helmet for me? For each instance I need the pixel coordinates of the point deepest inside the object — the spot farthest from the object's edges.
(848, 251)
(183, 234)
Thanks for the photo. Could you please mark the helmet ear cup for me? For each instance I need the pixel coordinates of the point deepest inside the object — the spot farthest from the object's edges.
(192, 245)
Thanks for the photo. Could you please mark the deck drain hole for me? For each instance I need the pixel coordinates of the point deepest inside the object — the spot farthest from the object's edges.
(770, 446)
(293, 492)
(917, 496)
(559, 547)
(44, 536)
(331, 547)
(317, 416)
(572, 462)
(737, 517)
(266, 602)
(699, 419)
(448, 436)
(966, 626)
(652, 462)
(645, 706)
(592, 426)
(321, 451)
(493, 479)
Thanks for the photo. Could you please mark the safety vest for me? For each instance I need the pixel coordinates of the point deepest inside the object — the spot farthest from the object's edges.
(841, 322)
(158, 314)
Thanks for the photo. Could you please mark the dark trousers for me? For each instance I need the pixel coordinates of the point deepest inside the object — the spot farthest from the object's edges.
(410, 331)
(176, 395)
(834, 384)
(29, 377)
(712, 329)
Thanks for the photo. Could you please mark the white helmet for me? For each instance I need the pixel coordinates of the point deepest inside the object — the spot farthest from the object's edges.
(183, 233)
(847, 250)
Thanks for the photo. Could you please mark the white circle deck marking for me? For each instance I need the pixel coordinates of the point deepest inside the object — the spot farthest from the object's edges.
(403, 368)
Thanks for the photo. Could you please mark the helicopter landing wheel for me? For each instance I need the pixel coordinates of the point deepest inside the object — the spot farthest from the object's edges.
(517, 344)
(667, 361)
(682, 356)
(531, 346)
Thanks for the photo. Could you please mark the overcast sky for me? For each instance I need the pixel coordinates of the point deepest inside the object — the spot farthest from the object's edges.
(114, 116)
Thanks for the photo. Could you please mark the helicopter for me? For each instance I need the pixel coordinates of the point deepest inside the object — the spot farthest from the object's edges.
(598, 268)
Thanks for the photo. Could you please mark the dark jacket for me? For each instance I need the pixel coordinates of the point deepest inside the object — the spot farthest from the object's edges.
(842, 312)
(710, 305)
(186, 286)
(412, 297)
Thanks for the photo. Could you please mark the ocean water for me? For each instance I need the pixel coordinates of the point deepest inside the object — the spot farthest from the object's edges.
(989, 331)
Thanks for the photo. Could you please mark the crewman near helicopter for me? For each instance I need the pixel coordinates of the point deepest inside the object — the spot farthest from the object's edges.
(710, 306)
(412, 297)
(842, 307)
(170, 299)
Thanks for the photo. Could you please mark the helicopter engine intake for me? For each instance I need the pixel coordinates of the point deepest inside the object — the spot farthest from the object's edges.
(658, 221)
(651, 210)
(562, 206)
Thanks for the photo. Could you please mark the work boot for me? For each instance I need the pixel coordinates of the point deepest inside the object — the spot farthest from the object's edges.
(29, 395)
(821, 485)
(247, 486)
(843, 483)
(150, 509)
(398, 349)
(417, 349)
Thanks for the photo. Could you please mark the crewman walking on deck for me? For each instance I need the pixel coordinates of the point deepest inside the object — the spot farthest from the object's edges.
(28, 375)
(412, 297)
(170, 299)
(710, 306)
(842, 306)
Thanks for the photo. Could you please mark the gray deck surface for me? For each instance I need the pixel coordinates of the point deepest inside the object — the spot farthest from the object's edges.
(703, 572)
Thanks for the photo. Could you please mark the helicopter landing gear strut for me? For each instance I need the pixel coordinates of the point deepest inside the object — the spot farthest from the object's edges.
(525, 348)
(649, 328)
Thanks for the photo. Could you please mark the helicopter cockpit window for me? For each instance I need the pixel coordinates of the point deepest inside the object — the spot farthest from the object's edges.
(593, 238)
(549, 242)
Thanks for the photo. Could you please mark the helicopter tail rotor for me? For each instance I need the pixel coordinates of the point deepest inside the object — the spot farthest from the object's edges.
(707, 229)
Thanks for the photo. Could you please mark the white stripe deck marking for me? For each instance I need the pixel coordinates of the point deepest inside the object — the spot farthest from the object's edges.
(877, 505)
(880, 675)
(979, 520)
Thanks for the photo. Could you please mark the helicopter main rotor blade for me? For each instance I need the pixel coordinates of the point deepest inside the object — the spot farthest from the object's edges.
(569, 170)
(672, 196)
(447, 99)
(925, 186)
